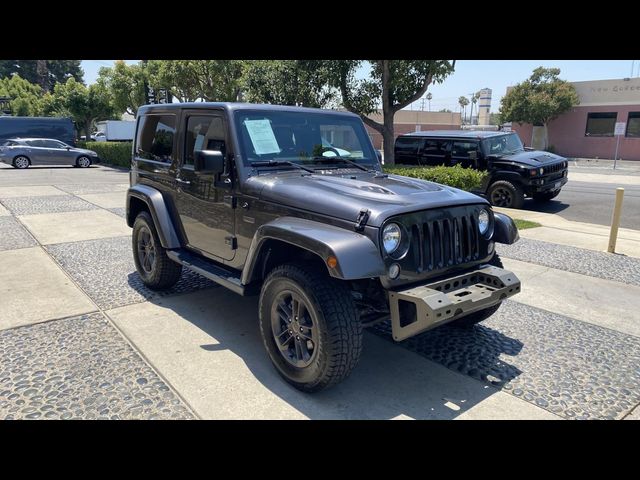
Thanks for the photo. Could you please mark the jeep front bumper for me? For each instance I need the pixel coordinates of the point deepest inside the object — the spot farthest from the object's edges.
(421, 308)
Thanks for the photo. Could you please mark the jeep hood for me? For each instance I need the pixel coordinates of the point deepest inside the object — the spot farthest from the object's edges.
(530, 158)
(344, 196)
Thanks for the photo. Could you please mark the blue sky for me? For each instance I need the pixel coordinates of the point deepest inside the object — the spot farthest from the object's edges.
(472, 75)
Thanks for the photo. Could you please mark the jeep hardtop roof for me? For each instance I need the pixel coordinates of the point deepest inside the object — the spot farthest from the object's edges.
(456, 134)
(237, 106)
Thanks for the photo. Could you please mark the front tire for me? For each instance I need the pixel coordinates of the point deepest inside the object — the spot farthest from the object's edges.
(506, 194)
(155, 268)
(21, 162)
(476, 317)
(83, 162)
(309, 326)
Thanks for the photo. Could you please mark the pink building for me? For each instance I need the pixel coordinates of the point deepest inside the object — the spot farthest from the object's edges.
(587, 131)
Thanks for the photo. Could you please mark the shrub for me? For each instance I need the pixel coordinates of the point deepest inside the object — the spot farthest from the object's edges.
(456, 176)
(114, 153)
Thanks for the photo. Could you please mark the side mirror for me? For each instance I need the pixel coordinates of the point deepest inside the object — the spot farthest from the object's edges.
(209, 162)
(68, 148)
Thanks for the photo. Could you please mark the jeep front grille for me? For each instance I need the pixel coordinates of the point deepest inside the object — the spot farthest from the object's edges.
(446, 242)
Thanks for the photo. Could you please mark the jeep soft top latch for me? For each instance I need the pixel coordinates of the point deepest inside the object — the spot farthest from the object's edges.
(361, 221)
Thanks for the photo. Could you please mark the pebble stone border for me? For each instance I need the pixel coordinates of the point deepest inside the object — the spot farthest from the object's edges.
(79, 368)
(105, 270)
(13, 235)
(571, 368)
(46, 204)
(609, 266)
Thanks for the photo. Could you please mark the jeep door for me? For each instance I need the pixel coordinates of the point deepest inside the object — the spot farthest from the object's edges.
(203, 201)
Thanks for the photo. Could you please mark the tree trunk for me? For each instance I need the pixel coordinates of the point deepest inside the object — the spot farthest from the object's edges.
(387, 115)
(43, 74)
(388, 142)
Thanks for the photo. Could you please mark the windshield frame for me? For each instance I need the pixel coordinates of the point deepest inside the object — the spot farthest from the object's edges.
(485, 142)
(369, 159)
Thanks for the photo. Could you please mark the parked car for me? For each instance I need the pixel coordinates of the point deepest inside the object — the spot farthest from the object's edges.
(24, 152)
(514, 171)
(244, 195)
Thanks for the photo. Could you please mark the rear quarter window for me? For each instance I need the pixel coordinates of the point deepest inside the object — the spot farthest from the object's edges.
(156, 137)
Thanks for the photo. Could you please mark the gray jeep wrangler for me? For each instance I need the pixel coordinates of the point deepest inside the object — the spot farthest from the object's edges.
(291, 204)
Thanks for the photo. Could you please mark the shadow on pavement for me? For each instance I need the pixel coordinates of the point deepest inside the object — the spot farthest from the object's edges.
(389, 382)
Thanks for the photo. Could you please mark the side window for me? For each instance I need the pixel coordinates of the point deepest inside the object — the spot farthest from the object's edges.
(204, 133)
(463, 149)
(50, 144)
(155, 137)
(435, 147)
(408, 145)
(35, 143)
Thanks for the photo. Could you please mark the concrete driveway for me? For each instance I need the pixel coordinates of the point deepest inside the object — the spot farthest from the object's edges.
(81, 337)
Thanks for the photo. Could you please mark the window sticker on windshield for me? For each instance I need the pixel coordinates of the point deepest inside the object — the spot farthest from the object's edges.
(262, 137)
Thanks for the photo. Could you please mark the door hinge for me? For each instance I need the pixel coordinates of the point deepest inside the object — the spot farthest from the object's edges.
(361, 221)
(232, 242)
(230, 201)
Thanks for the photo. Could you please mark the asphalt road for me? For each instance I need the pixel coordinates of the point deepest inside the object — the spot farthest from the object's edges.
(592, 203)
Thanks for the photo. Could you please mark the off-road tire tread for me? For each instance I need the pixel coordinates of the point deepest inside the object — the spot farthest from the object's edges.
(518, 198)
(167, 272)
(344, 329)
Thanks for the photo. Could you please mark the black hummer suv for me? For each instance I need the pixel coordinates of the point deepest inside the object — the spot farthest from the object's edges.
(514, 171)
(291, 204)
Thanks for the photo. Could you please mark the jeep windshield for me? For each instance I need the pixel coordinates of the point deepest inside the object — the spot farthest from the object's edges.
(503, 144)
(302, 138)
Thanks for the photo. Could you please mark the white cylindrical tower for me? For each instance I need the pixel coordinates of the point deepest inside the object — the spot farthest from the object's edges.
(484, 106)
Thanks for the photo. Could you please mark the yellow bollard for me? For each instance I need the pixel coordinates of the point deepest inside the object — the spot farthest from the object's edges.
(615, 220)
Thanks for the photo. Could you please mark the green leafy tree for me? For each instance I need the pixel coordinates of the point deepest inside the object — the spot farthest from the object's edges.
(392, 84)
(85, 105)
(191, 80)
(46, 73)
(445, 110)
(25, 96)
(126, 84)
(538, 100)
(285, 82)
(463, 102)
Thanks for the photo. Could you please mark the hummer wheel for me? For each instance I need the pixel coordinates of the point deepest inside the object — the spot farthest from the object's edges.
(309, 326)
(506, 194)
(155, 268)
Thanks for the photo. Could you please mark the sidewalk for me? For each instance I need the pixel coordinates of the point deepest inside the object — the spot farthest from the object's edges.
(556, 229)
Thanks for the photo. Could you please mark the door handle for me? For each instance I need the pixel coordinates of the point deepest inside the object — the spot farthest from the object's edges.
(185, 182)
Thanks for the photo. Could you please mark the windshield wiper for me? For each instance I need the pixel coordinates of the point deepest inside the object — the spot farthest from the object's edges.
(340, 159)
(277, 163)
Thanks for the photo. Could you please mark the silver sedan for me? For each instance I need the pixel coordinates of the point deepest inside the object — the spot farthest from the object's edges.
(23, 152)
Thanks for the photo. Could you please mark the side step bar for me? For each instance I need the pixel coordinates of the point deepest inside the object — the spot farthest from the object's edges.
(220, 275)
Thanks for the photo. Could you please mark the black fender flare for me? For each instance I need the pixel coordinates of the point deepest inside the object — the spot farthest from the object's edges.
(159, 212)
(513, 177)
(357, 255)
(505, 230)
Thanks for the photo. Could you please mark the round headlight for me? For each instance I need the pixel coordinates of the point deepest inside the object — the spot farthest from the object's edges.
(391, 236)
(483, 221)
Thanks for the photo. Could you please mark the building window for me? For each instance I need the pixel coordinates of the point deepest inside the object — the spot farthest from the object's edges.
(633, 124)
(601, 124)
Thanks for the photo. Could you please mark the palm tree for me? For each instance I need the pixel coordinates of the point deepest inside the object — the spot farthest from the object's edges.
(463, 101)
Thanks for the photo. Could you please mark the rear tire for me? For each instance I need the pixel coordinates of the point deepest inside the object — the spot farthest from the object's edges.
(309, 326)
(21, 162)
(156, 269)
(476, 317)
(546, 196)
(505, 194)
